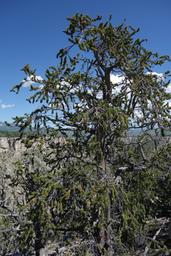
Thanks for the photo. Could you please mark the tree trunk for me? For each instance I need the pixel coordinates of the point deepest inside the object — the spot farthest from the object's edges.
(38, 239)
(105, 235)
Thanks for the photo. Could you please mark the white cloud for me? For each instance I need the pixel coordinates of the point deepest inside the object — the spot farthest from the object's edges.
(168, 89)
(39, 78)
(29, 81)
(5, 106)
(26, 83)
(159, 76)
(117, 79)
(119, 83)
(99, 95)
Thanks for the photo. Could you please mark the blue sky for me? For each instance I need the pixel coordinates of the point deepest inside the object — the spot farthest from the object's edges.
(31, 33)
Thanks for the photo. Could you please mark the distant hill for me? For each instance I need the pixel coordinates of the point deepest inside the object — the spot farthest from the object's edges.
(8, 131)
(13, 131)
(4, 127)
(137, 132)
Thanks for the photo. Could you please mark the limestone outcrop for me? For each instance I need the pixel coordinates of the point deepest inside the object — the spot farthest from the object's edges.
(10, 144)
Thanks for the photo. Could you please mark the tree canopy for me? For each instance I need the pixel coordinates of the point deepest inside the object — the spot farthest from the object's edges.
(96, 187)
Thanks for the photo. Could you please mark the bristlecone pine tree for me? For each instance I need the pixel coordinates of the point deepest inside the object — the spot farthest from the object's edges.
(100, 192)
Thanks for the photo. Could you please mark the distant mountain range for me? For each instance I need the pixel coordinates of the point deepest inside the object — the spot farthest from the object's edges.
(6, 128)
